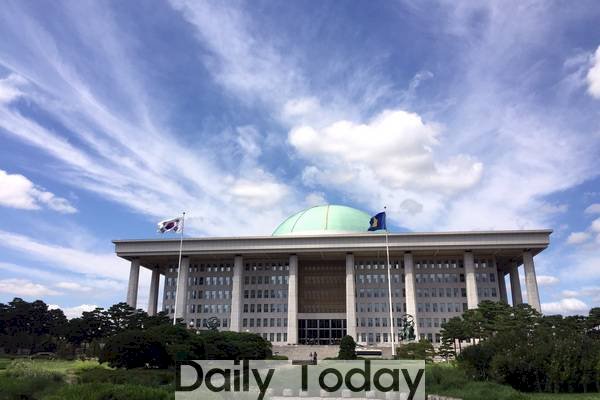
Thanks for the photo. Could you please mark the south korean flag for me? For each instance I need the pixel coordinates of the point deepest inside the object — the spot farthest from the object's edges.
(170, 225)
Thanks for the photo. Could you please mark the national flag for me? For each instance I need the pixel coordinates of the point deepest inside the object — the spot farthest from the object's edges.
(377, 222)
(170, 225)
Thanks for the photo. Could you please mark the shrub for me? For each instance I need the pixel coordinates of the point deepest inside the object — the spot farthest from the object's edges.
(25, 387)
(476, 360)
(347, 349)
(144, 377)
(135, 349)
(27, 369)
(235, 346)
(451, 381)
(422, 350)
(107, 391)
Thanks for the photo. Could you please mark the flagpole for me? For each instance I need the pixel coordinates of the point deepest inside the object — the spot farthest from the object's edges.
(179, 269)
(389, 268)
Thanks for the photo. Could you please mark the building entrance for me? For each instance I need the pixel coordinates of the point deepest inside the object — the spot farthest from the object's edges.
(321, 331)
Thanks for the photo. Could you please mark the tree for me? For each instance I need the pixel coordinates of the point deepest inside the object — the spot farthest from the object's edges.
(446, 349)
(455, 330)
(135, 349)
(347, 348)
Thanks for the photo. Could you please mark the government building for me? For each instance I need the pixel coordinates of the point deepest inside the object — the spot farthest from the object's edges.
(321, 275)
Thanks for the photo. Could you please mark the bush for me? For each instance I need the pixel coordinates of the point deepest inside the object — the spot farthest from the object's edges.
(451, 381)
(27, 369)
(347, 349)
(135, 349)
(476, 360)
(107, 391)
(144, 377)
(12, 388)
(235, 346)
(422, 350)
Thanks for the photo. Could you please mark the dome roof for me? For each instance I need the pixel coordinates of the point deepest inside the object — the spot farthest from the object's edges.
(324, 220)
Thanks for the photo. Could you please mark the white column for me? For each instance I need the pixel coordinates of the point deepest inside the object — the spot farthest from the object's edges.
(472, 298)
(350, 297)
(410, 288)
(153, 296)
(515, 285)
(236, 294)
(533, 295)
(292, 328)
(134, 277)
(182, 288)
(502, 286)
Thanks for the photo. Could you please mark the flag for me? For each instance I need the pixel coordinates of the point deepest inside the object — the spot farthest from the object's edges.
(377, 222)
(170, 225)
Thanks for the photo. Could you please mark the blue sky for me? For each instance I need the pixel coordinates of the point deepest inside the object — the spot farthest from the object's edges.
(457, 115)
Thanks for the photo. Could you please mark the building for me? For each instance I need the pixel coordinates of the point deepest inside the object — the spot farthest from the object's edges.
(322, 275)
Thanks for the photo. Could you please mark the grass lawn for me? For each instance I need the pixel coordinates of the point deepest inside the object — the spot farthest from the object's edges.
(80, 380)
(563, 396)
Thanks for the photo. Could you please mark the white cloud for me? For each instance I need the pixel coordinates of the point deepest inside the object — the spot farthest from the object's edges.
(9, 88)
(578, 237)
(315, 199)
(547, 280)
(390, 159)
(25, 288)
(593, 76)
(396, 147)
(592, 292)
(258, 194)
(300, 107)
(106, 265)
(595, 226)
(19, 192)
(593, 209)
(411, 206)
(567, 306)
(73, 312)
(74, 286)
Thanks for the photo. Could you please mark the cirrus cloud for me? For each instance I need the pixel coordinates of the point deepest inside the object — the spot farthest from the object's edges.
(593, 76)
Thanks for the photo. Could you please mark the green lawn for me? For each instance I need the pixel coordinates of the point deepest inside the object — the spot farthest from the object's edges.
(80, 380)
(563, 396)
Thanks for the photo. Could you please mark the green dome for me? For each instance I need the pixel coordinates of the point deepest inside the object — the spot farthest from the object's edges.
(323, 220)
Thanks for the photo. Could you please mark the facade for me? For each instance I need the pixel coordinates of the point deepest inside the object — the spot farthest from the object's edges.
(321, 276)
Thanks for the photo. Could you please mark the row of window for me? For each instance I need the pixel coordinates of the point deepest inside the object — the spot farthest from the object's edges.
(442, 292)
(222, 267)
(377, 264)
(439, 278)
(209, 294)
(379, 307)
(265, 294)
(275, 337)
(430, 322)
(209, 308)
(375, 337)
(268, 266)
(441, 307)
(451, 264)
(486, 292)
(264, 322)
(266, 280)
(258, 308)
(378, 293)
(378, 278)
